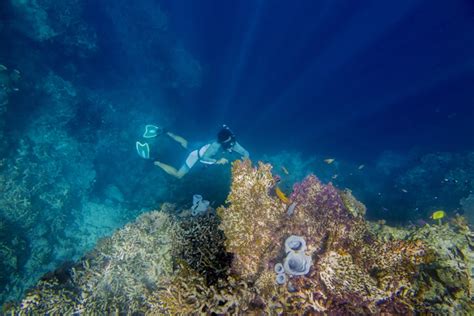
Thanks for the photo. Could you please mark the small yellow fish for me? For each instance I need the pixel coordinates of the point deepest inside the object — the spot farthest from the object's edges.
(281, 195)
(285, 170)
(438, 215)
(361, 167)
(329, 160)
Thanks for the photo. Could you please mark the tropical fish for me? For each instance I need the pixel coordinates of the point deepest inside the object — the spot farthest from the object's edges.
(285, 170)
(335, 176)
(404, 190)
(361, 167)
(329, 160)
(438, 215)
(281, 195)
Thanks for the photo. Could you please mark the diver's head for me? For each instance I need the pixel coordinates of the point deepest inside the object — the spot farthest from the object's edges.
(226, 138)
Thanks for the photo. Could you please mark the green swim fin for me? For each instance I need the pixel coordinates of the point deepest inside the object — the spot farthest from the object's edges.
(152, 131)
(143, 150)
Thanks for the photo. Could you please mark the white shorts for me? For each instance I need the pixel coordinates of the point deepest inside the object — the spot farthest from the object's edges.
(195, 155)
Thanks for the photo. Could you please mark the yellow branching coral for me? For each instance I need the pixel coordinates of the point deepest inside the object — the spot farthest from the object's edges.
(188, 294)
(252, 216)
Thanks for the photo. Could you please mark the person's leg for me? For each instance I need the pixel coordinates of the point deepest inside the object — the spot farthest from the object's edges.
(172, 171)
(183, 142)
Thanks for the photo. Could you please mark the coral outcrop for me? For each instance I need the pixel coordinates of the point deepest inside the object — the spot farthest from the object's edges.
(336, 235)
(345, 265)
(45, 176)
(202, 246)
(115, 276)
(12, 245)
(47, 20)
(251, 219)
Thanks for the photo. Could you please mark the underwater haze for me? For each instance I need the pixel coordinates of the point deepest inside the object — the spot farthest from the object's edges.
(106, 108)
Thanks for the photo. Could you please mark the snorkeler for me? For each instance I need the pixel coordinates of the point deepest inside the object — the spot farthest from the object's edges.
(207, 154)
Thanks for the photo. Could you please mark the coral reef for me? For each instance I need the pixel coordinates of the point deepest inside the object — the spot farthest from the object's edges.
(49, 20)
(202, 246)
(251, 219)
(188, 294)
(12, 245)
(447, 283)
(50, 168)
(350, 273)
(44, 178)
(345, 264)
(61, 135)
(115, 276)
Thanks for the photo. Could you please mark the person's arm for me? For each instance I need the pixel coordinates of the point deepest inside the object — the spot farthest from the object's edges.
(240, 150)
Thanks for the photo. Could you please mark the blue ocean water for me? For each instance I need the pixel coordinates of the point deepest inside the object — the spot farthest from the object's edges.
(382, 89)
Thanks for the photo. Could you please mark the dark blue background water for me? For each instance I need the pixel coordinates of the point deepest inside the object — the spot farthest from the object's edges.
(334, 77)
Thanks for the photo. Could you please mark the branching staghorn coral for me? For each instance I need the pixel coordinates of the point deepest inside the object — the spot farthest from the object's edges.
(188, 294)
(202, 246)
(45, 176)
(115, 277)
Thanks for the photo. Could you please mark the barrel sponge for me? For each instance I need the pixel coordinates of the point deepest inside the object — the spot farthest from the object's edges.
(297, 263)
(295, 244)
